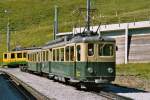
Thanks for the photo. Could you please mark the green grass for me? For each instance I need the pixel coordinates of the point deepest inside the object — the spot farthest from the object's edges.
(32, 20)
(139, 69)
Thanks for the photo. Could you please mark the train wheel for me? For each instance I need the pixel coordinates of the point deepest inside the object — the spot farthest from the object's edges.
(80, 86)
(67, 81)
(92, 87)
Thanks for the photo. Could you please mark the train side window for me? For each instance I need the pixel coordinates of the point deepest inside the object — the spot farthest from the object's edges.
(50, 55)
(78, 53)
(35, 57)
(40, 56)
(5, 56)
(90, 49)
(53, 54)
(32, 57)
(57, 54)
(24, 55)
(28, 57)
(67, 53)
(43, 55)
(47, 53)
(19, 55)
(12, 55)
(62, 54)
(72, 53)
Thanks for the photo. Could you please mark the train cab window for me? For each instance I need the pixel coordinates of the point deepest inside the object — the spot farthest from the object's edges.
(78, 53)
(12, 55)
(72, 53)
(62, 54)
(105, 49)
(19, 55)
(90, 49)
(67, 53)
(54, 55)
(5, 56)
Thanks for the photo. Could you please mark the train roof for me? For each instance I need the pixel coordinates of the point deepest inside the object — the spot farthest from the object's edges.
(24, 50)
(77, 39)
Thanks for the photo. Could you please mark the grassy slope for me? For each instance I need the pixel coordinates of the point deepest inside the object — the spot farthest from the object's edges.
(140, 70)
(134, 75)
(32, 20)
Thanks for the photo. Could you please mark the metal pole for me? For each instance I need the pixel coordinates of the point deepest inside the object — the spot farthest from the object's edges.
(56, 22)
(88, 15)
(126, 44)
(8, 36)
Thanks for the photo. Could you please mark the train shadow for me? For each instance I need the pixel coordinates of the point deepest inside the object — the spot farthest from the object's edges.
(122, 89)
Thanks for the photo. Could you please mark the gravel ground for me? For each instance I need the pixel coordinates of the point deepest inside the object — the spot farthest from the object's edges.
(58, 91)
(52, 89)
(133, 93)
(137, 96)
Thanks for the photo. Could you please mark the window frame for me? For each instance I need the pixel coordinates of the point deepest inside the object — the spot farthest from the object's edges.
(78, 53)
(11, 56)
(70, 53)
(67, 53)
(6, 57)
(92, 51)
(18, 54)
(62, 54)
(107, 43)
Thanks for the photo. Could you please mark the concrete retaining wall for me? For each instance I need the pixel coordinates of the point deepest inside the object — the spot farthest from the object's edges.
(138, 49)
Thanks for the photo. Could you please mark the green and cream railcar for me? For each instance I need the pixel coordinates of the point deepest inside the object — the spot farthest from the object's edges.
(80, 60)
(83, 59)
(34, 61)
(39, 61)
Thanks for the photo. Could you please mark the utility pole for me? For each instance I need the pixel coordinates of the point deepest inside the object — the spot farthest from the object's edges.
(88, 14)
(56, 22)
(8, 36)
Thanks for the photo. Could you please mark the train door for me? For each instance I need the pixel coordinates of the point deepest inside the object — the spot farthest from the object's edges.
(72, 58)
(78, 59)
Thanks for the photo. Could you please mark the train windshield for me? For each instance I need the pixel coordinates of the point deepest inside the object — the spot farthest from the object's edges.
(105, 49)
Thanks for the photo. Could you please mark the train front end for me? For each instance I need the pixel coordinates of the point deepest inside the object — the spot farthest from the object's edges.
(97, 61)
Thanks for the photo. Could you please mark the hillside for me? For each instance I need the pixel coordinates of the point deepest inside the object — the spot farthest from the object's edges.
(32, 20)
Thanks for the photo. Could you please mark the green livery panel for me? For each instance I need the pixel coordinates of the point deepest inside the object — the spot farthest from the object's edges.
(15, 64)
(66, 69)
(45, 67)
(82, 71)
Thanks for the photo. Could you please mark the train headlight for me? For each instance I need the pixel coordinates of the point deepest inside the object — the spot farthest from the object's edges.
(90, 70)
(110, 70)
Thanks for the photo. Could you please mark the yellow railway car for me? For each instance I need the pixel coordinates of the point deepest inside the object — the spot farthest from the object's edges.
(15, 58)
